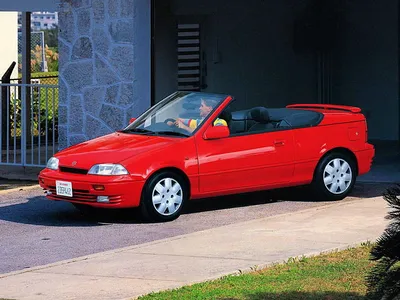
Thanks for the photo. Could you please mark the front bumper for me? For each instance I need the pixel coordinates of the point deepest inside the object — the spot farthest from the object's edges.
(122, 191)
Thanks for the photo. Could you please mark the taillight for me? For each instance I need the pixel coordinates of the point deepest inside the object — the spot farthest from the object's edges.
(366, 130)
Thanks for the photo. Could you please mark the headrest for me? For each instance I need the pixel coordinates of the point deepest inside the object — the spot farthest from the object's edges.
(226, 115)
(260, 115)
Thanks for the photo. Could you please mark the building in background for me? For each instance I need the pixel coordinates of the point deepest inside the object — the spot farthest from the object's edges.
(44, 20)
(40, 20)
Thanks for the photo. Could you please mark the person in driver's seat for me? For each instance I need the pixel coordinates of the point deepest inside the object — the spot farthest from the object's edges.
(205, 108)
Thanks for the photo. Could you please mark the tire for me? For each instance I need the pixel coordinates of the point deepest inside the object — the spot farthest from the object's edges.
(163, 197)
(332, 183)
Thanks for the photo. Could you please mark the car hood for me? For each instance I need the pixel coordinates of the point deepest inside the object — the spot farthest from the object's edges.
(111, 148)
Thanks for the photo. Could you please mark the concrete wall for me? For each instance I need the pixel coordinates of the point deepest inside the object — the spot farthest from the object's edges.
(104, 67)
(9, 37)
(366, 66)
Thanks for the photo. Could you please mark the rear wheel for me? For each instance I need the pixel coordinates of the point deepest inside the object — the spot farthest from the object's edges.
(335, 176)
(163, 197)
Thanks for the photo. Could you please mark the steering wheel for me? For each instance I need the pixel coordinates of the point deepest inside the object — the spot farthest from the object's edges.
(170, 120)
(175, 128)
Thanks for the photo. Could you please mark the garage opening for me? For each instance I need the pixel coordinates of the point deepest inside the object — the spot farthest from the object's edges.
(274, 53)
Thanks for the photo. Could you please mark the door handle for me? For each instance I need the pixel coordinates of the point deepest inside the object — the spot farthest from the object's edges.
(279, 143)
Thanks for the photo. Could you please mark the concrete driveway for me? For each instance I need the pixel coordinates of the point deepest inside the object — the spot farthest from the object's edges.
(51, 252)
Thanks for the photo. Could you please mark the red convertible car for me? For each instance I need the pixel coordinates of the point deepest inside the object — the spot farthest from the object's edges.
(194, 145)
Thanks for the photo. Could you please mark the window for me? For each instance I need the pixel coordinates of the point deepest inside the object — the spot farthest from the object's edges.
(189, 57)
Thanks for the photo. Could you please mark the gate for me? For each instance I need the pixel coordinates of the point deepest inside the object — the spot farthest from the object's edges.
(29, 124)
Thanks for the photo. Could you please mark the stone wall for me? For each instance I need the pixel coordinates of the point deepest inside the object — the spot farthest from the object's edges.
(104, 66)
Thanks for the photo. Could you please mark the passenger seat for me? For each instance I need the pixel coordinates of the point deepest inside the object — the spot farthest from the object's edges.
(261, 116)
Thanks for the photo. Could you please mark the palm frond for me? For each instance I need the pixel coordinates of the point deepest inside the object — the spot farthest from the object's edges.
(392, 198)
(387, 245)
(383, 282)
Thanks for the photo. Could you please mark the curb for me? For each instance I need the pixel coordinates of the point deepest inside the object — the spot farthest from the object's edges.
(249, 270)
(21, 188)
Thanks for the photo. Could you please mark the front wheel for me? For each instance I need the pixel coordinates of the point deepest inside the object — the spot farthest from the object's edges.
(334, 177)
(163, 197)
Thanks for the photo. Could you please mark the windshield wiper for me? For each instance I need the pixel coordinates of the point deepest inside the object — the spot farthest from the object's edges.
(171, 133)
(138, 130)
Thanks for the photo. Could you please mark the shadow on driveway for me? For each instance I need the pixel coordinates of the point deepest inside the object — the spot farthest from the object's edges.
(40, 211)
(295, 194)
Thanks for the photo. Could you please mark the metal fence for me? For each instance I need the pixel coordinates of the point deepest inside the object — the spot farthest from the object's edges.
(37, 48)
(43, 79)
(29, 123)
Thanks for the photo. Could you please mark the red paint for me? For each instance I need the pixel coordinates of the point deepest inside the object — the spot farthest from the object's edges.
(216, 132)
(245, 161)
(352, 109)
(214, 162)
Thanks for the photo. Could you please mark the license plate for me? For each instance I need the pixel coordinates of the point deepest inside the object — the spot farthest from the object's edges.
(64, 188)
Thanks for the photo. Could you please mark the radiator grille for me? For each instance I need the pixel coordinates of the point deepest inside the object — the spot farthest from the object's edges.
(73, 170)
(81, 195)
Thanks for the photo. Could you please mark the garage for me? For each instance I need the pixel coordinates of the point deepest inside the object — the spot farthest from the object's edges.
(274, 53)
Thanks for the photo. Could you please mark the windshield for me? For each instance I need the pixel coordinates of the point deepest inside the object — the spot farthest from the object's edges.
(180, 114)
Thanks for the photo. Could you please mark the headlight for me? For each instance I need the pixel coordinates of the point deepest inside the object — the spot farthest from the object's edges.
(108, 169)
(52, 163)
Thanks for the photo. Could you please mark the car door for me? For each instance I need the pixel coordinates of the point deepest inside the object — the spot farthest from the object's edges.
(245, 161)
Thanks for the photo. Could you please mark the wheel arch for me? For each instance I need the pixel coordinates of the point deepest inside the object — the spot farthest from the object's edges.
(319, 188)
(341, 150)
(170, 169)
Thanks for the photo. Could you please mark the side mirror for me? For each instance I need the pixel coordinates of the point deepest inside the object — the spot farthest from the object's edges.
(216, 132)
(132, 120)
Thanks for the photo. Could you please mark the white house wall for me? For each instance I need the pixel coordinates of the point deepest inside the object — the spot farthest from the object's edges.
(9, 37)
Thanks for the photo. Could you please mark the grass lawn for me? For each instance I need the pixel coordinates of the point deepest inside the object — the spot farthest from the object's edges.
(338, 275)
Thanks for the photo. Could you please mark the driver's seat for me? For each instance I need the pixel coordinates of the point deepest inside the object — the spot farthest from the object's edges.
(226, 115)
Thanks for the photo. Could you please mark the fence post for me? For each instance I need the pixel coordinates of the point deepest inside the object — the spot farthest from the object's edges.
(4, 98)
(26, 77)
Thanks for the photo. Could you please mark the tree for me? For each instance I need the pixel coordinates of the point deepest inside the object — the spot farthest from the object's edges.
(383, 281)
(51, 37)
(50, 56)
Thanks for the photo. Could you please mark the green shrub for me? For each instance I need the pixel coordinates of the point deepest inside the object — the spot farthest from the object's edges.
(38, 114)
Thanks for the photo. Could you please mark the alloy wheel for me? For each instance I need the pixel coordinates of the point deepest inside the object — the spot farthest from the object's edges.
(167, 196)
(337, 176)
